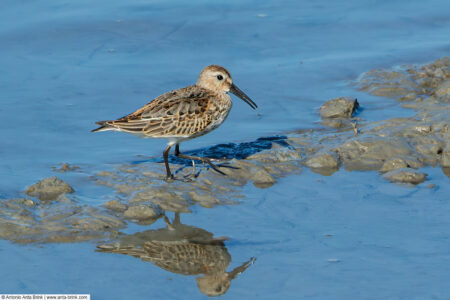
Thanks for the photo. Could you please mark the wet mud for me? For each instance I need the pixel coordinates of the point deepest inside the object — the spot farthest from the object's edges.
(396, 148)
(63, 220)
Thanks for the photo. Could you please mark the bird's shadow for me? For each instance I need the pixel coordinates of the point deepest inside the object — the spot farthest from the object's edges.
(225, 151)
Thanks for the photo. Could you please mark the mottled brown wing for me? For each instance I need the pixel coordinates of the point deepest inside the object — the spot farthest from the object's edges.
(187, 258)
(181, 112)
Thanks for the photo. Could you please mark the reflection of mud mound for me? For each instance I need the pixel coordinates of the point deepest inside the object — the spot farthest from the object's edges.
(185, 250)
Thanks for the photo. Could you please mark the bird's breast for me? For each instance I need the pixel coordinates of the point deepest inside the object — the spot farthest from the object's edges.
(222, 108)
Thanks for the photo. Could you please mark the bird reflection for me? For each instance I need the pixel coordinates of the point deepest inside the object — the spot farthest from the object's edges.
(185, 250)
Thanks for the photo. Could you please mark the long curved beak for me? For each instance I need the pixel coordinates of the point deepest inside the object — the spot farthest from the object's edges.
(241, 268)
(235, 90)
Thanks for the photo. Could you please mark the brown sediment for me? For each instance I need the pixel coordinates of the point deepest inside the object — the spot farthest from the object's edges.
(65, 167)
(342, 107)
(49, 189)
(63, 220)
(405, 175)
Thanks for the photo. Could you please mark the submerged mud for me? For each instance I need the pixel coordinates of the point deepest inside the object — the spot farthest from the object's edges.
(397, 148)
(64, 220)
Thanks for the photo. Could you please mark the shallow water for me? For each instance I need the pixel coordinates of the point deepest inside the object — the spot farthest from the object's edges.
(70, 64)
(339, 237)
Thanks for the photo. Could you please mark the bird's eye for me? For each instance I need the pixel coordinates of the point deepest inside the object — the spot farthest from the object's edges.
(220, 77)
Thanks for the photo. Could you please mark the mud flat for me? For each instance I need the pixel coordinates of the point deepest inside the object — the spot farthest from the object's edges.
(396, 148)
(403, 145)
(54, 216)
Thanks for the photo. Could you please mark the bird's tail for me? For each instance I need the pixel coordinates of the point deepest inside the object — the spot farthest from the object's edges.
(128, 250)
(103, 126)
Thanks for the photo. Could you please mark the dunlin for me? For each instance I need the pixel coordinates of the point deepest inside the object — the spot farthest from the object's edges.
(183, 114)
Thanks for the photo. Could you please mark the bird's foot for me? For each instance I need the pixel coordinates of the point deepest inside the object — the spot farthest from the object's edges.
(169, 178)
(189, 177)
(213, 166)
(203, 160)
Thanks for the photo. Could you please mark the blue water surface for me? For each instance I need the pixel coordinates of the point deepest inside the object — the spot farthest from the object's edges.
(66, 64)
(314, 237)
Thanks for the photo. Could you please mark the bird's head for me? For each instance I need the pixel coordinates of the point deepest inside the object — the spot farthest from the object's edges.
(218, 79)
(214, 284)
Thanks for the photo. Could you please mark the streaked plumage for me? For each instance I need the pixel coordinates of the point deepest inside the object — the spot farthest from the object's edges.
(183, 114)
(179, 114)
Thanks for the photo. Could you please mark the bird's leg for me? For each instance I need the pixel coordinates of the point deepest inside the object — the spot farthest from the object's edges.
(166, 161)
(177, 153)
(168, 224)
(202, 159)
(176, 220)
(193, 168)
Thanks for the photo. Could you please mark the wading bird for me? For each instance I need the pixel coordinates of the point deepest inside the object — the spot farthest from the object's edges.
(183, 114)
